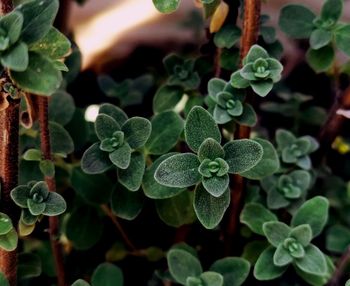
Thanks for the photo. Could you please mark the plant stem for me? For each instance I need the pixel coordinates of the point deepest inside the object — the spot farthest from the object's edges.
(249, 37)
(113, 218)
(53, 221)
(341, 265)
(334, 122)
(9, 134)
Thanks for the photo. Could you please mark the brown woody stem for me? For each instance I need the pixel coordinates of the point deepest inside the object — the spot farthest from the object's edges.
(53, 221)
(9, 132)
(249, 37)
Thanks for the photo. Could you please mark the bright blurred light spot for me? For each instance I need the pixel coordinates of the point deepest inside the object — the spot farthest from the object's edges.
(92, 112)
(99, 33)
(181, 104)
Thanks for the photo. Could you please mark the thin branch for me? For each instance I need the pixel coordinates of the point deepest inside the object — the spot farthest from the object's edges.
(334, 122)
(344, 260)
(115, 221)
(249, 37)
(53, 221)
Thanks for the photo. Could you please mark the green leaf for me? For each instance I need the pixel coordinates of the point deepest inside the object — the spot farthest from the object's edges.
(166, 98)
(320, 60)
(12, 23)
(61, 142)
(47, 168)
(38, 18)
(166, 130)
(41, 76)
(284, 138)
(210, 278)
(16, 58)
(254, 215)
(89, 187)
(84, 227)
(227, 36)
(255, 52)
(296, 21)
(210, 149)
(29, 266)
(9, 240)
(180, 170)
(5, 224)
(115, 112)
(282, 257)
(32, 155)
(199, 126)
(61, 107)
(265, 269)
(216, 185)
(131, 178)
(107, 274)
(320, 38)
(54, 45)
(235, 270)
(242, 155)
(342, 38)
(209, 209)
(137, 131)
(338, 239)
(36, 208)
(248, 117)
(125, 204)
(54, 205)
(313, 212)
(178, 210)
(182, 265)
(302, 233)
(276, 232)
(152, 188)
(3, 280)
(267, 166)
(268, 34)
(215, 86)
(105, 126)
(238, 81)
(332, 10)
(262, 87)
(80, 282)
(166, 6)
(95, 161)
(121, 156)
(313, 262)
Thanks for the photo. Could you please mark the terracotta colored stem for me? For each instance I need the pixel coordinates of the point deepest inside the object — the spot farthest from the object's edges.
(53, 221)
(341, 267)
(249, 37)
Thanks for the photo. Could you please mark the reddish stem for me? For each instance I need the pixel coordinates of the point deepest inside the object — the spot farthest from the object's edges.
(249, 37)
(53, 221)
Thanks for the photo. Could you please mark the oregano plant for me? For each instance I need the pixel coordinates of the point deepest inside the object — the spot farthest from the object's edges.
(222, 162)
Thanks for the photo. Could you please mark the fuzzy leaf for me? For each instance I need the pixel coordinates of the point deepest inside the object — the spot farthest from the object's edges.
(180, 170)
(152, 188)
(125, 204)
(332, 10)
(166, 6)
(255, 215)
(276, 232)
(267, 166)
(61, 107)
(166, 98)
(242, 155)
(313, 262)
(342, 38)
(302, 233)
(338, 239)
(210, 149)
(5, 224)
(54, 205)
(209, 209)
(61, 142)
(282, 256)
(313, 212)
(16, 58)
(41, 76)
(137, 131)
(182, 265)
(248, 117)
(296, 21)
(320, 38)
(216, 185)
(95, 161)
(38, 18)
(199, 126)
(166, 130)
(235, 270)
(115, 112)
(107, 274)
(9, 240)
(29, 265)
(105, 126)
(80, 282)
(265, 269)
(320, 60)
(12, 23)
(121, 156)
(211, 278)
(131, 178)
(178, 210)
(227, 36)
(263, 87)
